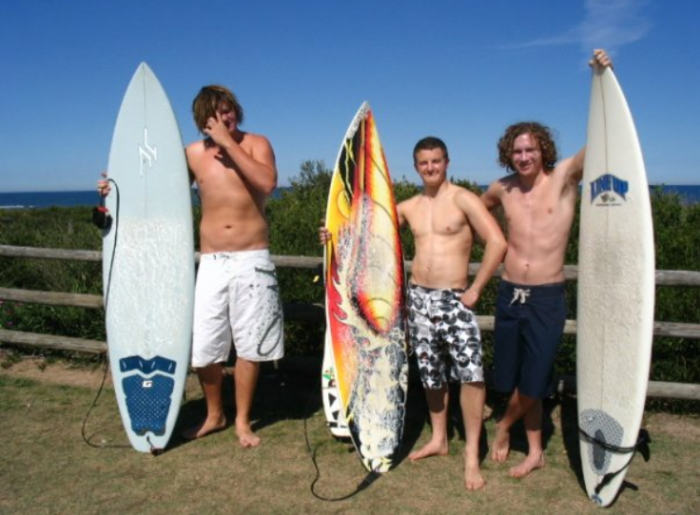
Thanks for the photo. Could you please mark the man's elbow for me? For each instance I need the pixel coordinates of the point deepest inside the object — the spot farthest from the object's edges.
(266, 180)
(499, 245)
(269, 186)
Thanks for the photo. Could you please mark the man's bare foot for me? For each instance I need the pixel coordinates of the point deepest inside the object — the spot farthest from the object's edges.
(205, 428)
(501, 445)
(430, 449)
(246, 436)
(529, 464)
(473, 480)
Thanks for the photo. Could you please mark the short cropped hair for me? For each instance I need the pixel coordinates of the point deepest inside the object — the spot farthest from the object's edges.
(430, 143)
(542, 135)
(209, 100)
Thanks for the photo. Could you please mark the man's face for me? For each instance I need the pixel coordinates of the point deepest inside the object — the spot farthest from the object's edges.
(431, 165)
(526, 155)
(228, 116)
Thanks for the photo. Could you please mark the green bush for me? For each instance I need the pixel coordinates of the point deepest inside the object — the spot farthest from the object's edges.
(294, 220)
(58, 228)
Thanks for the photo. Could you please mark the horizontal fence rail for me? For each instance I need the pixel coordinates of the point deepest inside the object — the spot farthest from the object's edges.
(312, 312)
(663, 277)
(302, 311)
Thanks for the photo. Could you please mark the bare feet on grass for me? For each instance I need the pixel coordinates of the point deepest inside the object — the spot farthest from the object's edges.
(246, 436)
(432, 448)
(501, 445)
(205, 428)
(529, 464)
(473, 480)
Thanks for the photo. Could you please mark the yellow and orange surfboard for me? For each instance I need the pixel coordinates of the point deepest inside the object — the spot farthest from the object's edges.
(365, 369)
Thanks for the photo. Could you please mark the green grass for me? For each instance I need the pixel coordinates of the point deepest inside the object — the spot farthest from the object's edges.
(47, 468)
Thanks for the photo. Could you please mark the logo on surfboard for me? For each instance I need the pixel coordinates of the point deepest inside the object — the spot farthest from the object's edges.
(148, 153)
(608, 190)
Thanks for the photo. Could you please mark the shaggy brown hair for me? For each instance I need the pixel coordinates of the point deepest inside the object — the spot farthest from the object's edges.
(542, 135)
(209, 100)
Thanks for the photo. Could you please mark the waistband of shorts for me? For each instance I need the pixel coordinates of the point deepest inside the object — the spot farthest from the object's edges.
(425, 289)
(239, 255)
(535, 289)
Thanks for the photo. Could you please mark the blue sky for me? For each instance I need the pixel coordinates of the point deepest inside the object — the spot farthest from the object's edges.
(460, 70)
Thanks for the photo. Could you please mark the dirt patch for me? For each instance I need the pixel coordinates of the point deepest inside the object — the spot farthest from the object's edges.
(685, 426)
(57, 372)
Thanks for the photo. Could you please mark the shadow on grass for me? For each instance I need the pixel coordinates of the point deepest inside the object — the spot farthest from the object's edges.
(417, 416)
(289, 390)
(570, 435)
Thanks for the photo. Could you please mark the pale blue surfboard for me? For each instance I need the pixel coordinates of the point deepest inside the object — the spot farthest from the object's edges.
(148, 264)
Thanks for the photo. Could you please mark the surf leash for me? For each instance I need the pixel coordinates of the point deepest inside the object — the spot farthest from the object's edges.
(642, 445)
(370, 478)
(87, 415)
(103, 220)
(116, 235)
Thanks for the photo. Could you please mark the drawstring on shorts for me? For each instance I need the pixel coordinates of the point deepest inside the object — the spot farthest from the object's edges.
(520, 295)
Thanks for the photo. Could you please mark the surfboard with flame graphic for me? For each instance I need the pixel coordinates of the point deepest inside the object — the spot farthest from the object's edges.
(365, 315)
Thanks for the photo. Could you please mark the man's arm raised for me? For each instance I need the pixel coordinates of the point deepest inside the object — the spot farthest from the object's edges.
(258, 167)
(573, 166)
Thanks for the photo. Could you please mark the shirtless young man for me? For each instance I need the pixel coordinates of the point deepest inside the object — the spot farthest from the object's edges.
(444, 220)
(539, 202)
(236, 296)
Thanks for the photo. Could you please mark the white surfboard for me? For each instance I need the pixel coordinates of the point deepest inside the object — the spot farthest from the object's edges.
(148, 264)
(332, 406)
(615, 292)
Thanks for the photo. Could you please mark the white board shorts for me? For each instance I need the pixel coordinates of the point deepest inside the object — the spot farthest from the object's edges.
(237, 299)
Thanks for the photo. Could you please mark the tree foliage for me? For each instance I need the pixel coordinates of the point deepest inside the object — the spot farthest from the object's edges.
(294, 218)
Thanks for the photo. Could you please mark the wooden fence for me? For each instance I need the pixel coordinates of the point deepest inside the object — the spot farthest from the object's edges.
(302, 311)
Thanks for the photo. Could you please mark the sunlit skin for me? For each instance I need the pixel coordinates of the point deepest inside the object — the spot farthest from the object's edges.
(235, 173)
(539, 206)
(445, 219)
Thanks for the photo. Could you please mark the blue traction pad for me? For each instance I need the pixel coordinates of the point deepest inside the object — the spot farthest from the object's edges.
(157, 364)
(148, 399)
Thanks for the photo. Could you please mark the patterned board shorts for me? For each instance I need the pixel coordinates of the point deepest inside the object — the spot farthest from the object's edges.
(443, 331)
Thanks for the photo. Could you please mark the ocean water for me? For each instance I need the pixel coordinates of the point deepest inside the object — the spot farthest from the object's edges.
(28, 199)
(23, 200)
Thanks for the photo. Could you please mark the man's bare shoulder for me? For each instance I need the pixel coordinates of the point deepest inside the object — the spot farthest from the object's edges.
(471, 204)
(408, 205)
(252, 136)
(196, 148)
(464, 196)
(254, 141)
(498, 188)
(412, 200)
(463, 192)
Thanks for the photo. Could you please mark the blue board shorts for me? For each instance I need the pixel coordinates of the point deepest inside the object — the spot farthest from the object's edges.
(528, 330)
(445, 336)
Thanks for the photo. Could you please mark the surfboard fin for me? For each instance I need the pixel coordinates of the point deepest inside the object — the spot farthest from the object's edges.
(642, 446)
